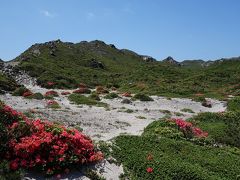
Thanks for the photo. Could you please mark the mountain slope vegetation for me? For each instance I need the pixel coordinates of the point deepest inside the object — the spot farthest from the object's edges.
(96, 63)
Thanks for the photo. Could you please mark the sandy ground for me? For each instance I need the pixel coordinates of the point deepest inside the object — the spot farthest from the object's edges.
(106, 123)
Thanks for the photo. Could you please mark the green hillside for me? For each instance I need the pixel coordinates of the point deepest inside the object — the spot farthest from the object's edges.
(96, 63)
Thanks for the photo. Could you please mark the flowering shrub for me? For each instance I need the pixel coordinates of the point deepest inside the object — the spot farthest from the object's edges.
(101, 90)
(189, 130)
(27, 94)
(53, 104)
(65, 93)
(82, 91)
(51, 93)
(127, 94)
(43, 145)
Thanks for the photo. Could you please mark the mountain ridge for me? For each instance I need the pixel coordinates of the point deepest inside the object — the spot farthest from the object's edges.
(97, 63)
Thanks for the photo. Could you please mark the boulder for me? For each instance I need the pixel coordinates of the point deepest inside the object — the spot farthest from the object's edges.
(207, 104)
(126, 101)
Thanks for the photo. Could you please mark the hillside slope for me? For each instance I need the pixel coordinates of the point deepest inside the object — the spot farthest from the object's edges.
(96, 63)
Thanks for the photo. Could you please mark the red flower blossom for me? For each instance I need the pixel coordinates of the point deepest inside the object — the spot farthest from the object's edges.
(127, 94)
(27, 94)
(149, 170)
(14, 165)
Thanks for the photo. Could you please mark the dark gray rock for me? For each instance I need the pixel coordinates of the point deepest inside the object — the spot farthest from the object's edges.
(126, 101)
(207, 104)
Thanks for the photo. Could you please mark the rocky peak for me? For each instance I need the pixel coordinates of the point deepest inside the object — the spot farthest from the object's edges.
(170, 60)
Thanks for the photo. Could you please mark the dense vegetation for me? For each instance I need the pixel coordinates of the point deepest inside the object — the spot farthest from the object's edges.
(96, 63)
(6, 84)
(163, 152)
(205, 147)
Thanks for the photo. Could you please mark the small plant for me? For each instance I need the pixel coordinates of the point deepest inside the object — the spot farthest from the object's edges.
(164, 111)
(65, 93)
(95, 96)
(178, 114)
(37, 96)
(53, 104)
(142, 97)
(51, 93)
(101, 90)
(20, 91)
(187, 110)
(27, 94)
(141, 117)
(80, 99)
(111, 96)
(82, 91)
(129, 111)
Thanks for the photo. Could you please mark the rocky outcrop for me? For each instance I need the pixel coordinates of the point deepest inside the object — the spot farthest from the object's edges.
(170, 60)
(148, 58)
(21, 77)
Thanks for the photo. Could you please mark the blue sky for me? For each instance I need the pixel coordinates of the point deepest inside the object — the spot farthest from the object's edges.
(184, 29)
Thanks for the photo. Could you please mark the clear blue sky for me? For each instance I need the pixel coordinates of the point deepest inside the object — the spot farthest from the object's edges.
(184, 29)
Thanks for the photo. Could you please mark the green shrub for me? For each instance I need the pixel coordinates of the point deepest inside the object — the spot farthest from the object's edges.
(37, 96)
(222, 127)
(81, 99)
(19, 91)
(234, 104)
(111, 96)
(187, 110)
(174, 159)
(142, 97)
(95, 96)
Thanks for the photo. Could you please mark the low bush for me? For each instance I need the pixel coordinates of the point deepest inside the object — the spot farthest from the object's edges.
(20, 91)
(111, 96)
(95, 96)
(51, 93)
(38, 96)
(142, 97)
(187, 110)
(65, 93)
(53, 104)
(82, 91)
(81, 99)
